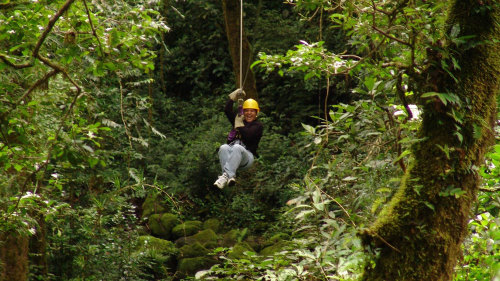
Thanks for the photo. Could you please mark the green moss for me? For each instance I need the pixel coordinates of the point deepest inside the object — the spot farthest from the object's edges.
(189, 266)
(278, 237)
(231, 237)
(155, 249)
(256, 242)
(271, 250)
(155, 226)
(147, 242)
(239, 249)
(206, 237)
(186, 229)
(213, 224)
(192, 250)
(162, 225)
(152, 206)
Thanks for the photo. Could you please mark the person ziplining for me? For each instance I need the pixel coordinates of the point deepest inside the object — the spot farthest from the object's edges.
(241, 148)
(243, 140)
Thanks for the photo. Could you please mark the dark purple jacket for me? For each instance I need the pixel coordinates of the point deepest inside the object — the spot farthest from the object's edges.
(250, 134)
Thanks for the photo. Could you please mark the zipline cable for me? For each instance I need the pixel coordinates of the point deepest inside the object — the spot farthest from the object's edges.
(241, 44)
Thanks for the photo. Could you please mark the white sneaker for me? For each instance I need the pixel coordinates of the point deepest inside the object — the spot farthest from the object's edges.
(231, 182)
(221, 182)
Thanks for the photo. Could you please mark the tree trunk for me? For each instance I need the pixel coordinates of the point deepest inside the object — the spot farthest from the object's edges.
(232, 20)
(13, 257)
(420, 232)
(38, 249)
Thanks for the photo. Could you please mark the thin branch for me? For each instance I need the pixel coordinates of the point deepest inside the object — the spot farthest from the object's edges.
(59, 69)
(6, 6)
(40, 81)
(381, 11)
(383, 32)
(338, 204)
(50, 25)
(93, 28)
(390, 36)
(16, 66)
(350, 57)
(123, 116)
(387, 243)
(401, 94)
(494, 189)
(35, 54)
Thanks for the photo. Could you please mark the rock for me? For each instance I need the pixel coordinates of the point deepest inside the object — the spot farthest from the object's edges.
(207, 238)
(189, 266)
(159, 250)
(279, 237)
(232, 237)
(256, 242)
(147, 242)
(192, 250)
(162, 225)
(186, 229)
(213, 224)
(239, 249)
(179, 242)
(152, 206)
(271, 250)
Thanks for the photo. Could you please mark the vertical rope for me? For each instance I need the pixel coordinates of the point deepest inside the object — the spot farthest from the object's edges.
(241, 44)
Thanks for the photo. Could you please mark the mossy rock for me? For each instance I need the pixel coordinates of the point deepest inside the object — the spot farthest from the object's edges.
(192, 250)
(232, 237)
(206, 237)
(213, 224)
(279, 237)
(179, 242)
(152, 206)
(189, 266)
(239, 249)
(186, 229)
(162, 225)
(211, 244)
(256, 242)
(160, 250)
(271, 250)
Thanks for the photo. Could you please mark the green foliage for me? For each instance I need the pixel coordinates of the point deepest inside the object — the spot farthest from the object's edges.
(136, 111)
(93, 242)
(490, 172)
(54, 146)
(195, 59)
(481, 250)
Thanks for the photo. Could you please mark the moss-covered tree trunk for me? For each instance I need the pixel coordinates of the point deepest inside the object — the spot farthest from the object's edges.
(420, 232)
(232, 20)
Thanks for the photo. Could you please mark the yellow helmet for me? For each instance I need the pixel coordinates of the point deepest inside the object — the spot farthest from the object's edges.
(251, 104)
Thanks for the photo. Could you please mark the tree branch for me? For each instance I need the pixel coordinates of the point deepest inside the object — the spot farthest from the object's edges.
(92, 27)
(494, 189)
(390, 36)
(36, 54)
(50, 25)
(16, 66)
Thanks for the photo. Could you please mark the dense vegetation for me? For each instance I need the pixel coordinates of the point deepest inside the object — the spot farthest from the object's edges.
(111, 114)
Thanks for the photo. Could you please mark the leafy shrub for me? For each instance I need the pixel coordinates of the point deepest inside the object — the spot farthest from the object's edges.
(481, 259)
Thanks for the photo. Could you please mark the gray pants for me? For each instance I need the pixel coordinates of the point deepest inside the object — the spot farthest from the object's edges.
(233, 157)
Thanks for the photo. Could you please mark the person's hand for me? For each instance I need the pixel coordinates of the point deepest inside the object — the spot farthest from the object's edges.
(238, 121)
(237, 94)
